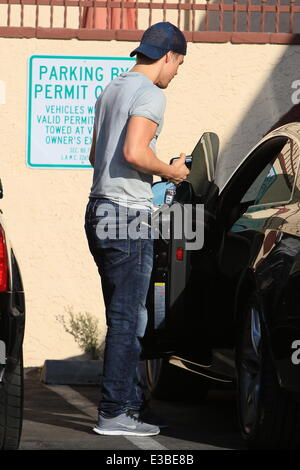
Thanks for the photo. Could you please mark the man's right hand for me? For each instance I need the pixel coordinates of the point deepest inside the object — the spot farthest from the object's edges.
(180, 172)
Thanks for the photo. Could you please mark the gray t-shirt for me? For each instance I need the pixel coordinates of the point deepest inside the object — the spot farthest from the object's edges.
(131, 94)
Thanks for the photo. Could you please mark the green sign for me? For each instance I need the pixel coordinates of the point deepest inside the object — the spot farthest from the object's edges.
(62, 91)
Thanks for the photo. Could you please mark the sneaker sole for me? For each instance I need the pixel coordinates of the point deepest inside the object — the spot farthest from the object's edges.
(123, 433)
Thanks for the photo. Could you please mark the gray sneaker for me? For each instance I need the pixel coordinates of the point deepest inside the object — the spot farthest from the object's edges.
(126, 424)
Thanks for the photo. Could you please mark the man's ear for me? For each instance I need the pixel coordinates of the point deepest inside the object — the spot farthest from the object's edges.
(168, 56)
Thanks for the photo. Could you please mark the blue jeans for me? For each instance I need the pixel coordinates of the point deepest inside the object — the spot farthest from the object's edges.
(125, 266)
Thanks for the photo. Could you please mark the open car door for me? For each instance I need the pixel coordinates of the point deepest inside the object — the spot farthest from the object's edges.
(173, 246)
(238, 294)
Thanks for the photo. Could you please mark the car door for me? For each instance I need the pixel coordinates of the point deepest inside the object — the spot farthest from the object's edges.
(258, 211)
(172, 261)
(250, 212)
(192, 292)
(259, 195)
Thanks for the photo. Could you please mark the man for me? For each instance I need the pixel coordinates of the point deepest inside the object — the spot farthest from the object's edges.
(128, 119)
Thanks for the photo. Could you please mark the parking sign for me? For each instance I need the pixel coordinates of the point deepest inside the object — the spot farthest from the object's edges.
(62, 91)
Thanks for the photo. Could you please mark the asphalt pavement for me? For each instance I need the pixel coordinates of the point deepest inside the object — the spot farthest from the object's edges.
(60, 417)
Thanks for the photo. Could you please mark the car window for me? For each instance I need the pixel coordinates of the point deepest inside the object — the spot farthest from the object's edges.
(276, 182)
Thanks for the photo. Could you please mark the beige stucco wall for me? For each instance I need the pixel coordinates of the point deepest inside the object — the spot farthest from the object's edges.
(238, 91)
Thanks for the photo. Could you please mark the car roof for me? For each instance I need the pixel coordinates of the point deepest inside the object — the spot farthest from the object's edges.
(291, 130)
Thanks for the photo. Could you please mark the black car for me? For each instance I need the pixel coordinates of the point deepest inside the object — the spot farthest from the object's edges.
(229, 311)
(12, 323)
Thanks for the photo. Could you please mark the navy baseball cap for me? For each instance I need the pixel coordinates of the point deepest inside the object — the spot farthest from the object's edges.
(159, 39)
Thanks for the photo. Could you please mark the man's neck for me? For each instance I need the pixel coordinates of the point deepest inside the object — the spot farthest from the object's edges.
(148, 70)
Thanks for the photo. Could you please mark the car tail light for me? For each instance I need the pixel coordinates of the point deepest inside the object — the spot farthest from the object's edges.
(3, 262)
(179, 254)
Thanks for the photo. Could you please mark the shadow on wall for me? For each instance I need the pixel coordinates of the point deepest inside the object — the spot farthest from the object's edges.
(252, 21)
(272, 107)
